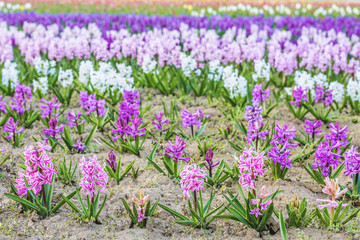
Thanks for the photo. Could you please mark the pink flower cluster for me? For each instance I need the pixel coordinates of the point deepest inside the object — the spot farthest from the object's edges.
(94, 178)
(331, 188)
(141, 204)
(251, 165)
(192, 179)
(260, 203)
(39, 169)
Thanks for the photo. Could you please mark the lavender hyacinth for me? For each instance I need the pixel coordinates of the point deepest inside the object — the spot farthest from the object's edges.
(312, 128)
(79, 146)
(73, 119)
(259, 95)
(11, 128)
(174, 151)
(209, 164)
(337, 134)
(253, 114)
(282, 147)
(191, 120)
(53, 129)
(299, 94)
(21, 97)
(352, 167)
(160, 122)
(48, 108)
(90, 104)
(111, 160)
(327, 157)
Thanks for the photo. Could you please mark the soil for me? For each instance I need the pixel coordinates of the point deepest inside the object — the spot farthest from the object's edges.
(14, 224)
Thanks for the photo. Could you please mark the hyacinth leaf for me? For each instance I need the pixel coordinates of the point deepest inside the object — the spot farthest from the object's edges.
(83, 208)
(5, 118)
(71, 204)
(338, 171)
(62, 202)
(127, 169)
(337, 212)
(320, 216)
(90, 136)
(23, 201)
(96, 203)
(101, 208)
(67, 138)
(354, 214)
(265, 218)
(4, 160)
(49, 190)
(179, 215)
(133, 219)
(156, 166)
(282, 227)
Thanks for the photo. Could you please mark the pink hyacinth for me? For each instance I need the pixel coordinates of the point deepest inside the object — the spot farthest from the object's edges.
(192, 179)
(94, 178)
(140, 203)
(251, 165)
(39, 169)
(332, 189)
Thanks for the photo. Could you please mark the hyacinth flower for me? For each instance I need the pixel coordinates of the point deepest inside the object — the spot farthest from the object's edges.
(141, 210)
(260, 96)
(34, 189)
(95, 111)
(49, 109)
(113, 166)
(338, 135)
(52, 132)
(20, 104)
(172, 156)
(216, 178)
(191, 121)
(66, 89)
(93, 181)
(74, 121)
(160, 122)
(14, 134)
(312, 128)
(327, 162)
(281, 149)
(2, 106)
(257, 207)
(192, 183)
(298, 214)
(352, 169)
(320, 112)
(332, 213)
(296, 102)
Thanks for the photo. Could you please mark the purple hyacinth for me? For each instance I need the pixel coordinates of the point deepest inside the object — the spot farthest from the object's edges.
(90, 104)
(253, 115)
(323, 95)
(53, 129)
(21, 97)
(11, 128)
(79, 146)
(191, 120)
(312, 128)
(337, 134)
(129, 108)
(327, 156)
(2, 105)
(259, 95)
(174, 151)
(352, 162)
(254, 133)
(209, 164)
(282, 146)
(134, 129)
(48, 109)
(73, 119)
(111, 160)
(299, 94)
(120, 129)
(160, 122)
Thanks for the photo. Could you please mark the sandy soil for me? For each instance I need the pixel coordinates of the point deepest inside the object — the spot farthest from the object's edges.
(115, 222)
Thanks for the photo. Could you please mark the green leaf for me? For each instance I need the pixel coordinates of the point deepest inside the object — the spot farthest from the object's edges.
(23, 201)
(179, 215)
(101, 208)
(265, 217)
(282, 227)
(62, 202)
(71, 204)
(90, 136)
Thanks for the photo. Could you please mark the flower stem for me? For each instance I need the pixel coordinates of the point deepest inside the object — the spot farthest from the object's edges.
(355, 190)
(195, 202)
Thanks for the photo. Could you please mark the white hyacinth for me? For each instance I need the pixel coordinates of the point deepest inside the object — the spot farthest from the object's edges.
(337, 91)
(10, 74)
(353, 90)
(44, 67)
(215, 70)
(236, 85)
(261, 70)
(148, 65)
(66, 77)
(188, 64)
(42, 84)
(86, 67)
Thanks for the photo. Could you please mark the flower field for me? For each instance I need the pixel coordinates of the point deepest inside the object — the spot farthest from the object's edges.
(171, 119)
